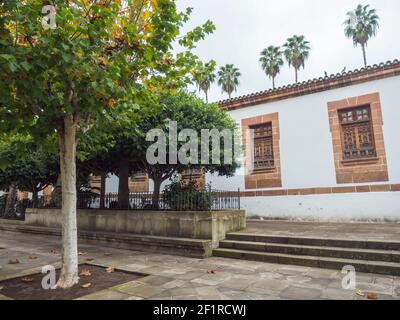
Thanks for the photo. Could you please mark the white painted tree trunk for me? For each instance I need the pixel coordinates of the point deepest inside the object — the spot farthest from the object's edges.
(69, 272)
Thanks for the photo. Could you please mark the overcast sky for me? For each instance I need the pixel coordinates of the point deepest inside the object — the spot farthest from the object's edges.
(245, 27)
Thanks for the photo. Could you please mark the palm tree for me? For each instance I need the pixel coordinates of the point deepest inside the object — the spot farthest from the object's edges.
(297, 51)
(228, 78)
(204, 77)
(361, 25)
(271, 62)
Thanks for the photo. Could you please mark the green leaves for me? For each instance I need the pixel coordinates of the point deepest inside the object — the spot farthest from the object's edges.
(228, 78)
(27, 165)
(204, 76)
(271, 60)
(9, 61)
(197, 34)
(100, 63)
(26, 66)
(360, 25)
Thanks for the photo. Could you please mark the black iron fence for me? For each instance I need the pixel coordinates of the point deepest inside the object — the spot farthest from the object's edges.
(17, 211)
(205, 200)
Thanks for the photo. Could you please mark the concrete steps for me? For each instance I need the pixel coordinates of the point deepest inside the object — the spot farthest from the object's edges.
(379, 257)
(309, 241)
(319, 251)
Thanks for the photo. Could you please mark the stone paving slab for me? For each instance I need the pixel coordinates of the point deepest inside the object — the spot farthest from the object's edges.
(355, 231)
(169, 277)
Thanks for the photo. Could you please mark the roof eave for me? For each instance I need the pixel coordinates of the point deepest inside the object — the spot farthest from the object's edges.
(371, 73)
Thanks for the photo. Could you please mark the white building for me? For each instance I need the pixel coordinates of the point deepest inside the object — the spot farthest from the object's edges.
(326, 149)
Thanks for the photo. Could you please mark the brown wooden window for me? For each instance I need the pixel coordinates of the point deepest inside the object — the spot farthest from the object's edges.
(357, 133)
(263, 147)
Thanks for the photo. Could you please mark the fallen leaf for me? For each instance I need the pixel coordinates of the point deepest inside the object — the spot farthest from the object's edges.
(87, 285)
(27, 280)
(32, 258)
(372, 296)
(89, 259)
(210, 271)
(82, 253)
(85, 273)
(108, 254)
(15, 261)
(360, 293)
(110, 269)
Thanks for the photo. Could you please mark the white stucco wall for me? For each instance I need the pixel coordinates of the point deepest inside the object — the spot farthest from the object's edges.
(307, 159)
(381, 207)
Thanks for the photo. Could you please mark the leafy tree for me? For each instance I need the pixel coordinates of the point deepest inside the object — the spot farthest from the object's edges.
(109, 147)
(62, 80)
(27, 166)
(228, 78)
(205, 77)
(271, 61)
(361, 25)
(297, 51)
(188, 112)
(33, 172)
(131, 145)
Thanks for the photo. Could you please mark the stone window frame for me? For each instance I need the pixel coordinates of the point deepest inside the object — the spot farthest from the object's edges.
(369, 169)
(262, 178)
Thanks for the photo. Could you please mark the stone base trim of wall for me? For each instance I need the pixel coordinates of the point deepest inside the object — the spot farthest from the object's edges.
(319, 190)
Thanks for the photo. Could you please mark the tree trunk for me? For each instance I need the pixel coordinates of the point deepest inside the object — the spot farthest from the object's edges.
(156, 193)
(123, 185)
(35, 199)
(102, 190)
(364, 55)
(273, 82)
(206, 92)
(69, 272)
(11, 201)
(296, 75)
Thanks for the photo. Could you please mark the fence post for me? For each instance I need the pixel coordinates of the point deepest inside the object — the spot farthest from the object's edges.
(239, 198)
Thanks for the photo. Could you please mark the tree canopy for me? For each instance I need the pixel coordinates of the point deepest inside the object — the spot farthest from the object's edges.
(27, 165)
(228, 78)
(128, 145)
(297, 51)
(361, 25)
(100, 57)
(271, 60)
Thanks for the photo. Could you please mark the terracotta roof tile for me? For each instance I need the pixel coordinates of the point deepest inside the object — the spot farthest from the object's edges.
(370, 73)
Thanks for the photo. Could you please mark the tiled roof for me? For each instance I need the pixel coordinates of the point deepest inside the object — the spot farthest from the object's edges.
(375, 72)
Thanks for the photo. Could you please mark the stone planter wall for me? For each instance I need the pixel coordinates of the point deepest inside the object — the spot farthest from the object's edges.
(193, 225)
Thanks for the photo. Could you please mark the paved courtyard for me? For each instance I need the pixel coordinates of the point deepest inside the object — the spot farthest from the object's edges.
(171, 277)
(348, 230)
